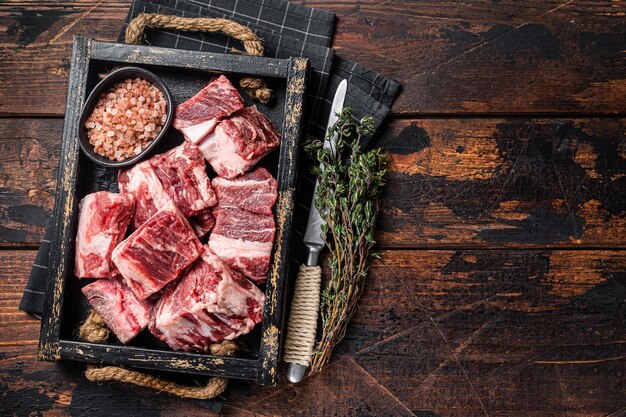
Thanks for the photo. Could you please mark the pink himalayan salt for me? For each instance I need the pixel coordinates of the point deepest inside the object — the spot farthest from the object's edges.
(126, 119)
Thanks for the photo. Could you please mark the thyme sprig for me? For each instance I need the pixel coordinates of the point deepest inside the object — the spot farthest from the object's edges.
(348, 197)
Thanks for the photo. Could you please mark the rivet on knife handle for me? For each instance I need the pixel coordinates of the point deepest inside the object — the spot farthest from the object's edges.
(302, 322)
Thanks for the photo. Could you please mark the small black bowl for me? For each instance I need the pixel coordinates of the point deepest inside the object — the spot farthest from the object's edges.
(103, 86)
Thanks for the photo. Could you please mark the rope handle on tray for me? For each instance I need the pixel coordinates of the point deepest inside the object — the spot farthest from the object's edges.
(256, 88)
(95, 330)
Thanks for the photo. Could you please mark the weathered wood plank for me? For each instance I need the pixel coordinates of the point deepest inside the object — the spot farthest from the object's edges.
(65, 212)
(491, 57)
(36, 49)
(479, 57)
(505, 182)
(452, 182)
(29, 159)
(189, 60)
(524, 333)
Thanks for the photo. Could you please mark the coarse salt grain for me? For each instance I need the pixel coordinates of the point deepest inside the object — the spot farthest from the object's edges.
(126, 119)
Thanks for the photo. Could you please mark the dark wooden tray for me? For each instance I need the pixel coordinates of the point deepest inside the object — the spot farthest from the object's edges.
(184, 72)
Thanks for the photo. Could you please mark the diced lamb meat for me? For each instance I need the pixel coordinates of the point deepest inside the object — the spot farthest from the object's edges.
(255, 191)
(244, 232)
(244, 241)
(239, 142)
(124, 313)
(142, 182)
(198, 116)
(209, 303)
(202, 223)
(102, 222)
(182, 172)
(157, 252)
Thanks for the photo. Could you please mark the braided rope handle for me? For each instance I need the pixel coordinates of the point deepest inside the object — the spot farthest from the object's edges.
(302, 325)
(94, 330)
(255, 87)
(213, 388)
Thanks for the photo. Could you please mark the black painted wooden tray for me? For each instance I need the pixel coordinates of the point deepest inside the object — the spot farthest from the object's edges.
(185, 73)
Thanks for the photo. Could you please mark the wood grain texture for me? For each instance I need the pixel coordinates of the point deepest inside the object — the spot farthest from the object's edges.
(505, 182)
(496, 333)
(438, 333)
(35, 49)
(452, 182)
(276, 285)
(29, 159)
(549, 57)
(491, 57)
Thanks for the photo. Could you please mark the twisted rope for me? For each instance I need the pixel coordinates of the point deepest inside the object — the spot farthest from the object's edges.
(94, 330)
(255, 87)
(303, 317)
(213, 388)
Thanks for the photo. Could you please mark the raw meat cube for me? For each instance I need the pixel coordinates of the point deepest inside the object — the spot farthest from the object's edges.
(244, 241)
(102, 223)
(124, 313)
(255, 191)
(210, 303)
(157, 252)
(239, 142)
(142, 182)
(203, 222)
(198, 116)
(244, 232)
(183, 175)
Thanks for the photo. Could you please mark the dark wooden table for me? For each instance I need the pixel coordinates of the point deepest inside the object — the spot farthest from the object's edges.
(502, 285)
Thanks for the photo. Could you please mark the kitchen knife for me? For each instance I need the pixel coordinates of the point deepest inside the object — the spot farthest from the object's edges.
(302, 325)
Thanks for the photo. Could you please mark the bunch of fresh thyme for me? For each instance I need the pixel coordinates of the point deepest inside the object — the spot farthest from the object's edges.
(348, 198)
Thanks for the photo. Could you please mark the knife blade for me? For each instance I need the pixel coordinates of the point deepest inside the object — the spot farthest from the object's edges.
(302, 325)
(313, 239)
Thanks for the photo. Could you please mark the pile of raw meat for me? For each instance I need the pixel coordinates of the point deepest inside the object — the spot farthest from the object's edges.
(188, 294)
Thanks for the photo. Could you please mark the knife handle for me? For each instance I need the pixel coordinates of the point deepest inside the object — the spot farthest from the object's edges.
(302, 325)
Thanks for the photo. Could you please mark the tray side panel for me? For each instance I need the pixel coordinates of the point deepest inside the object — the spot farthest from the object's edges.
(65, 205)
(159, 360)
(287, 176)
(147, 55)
